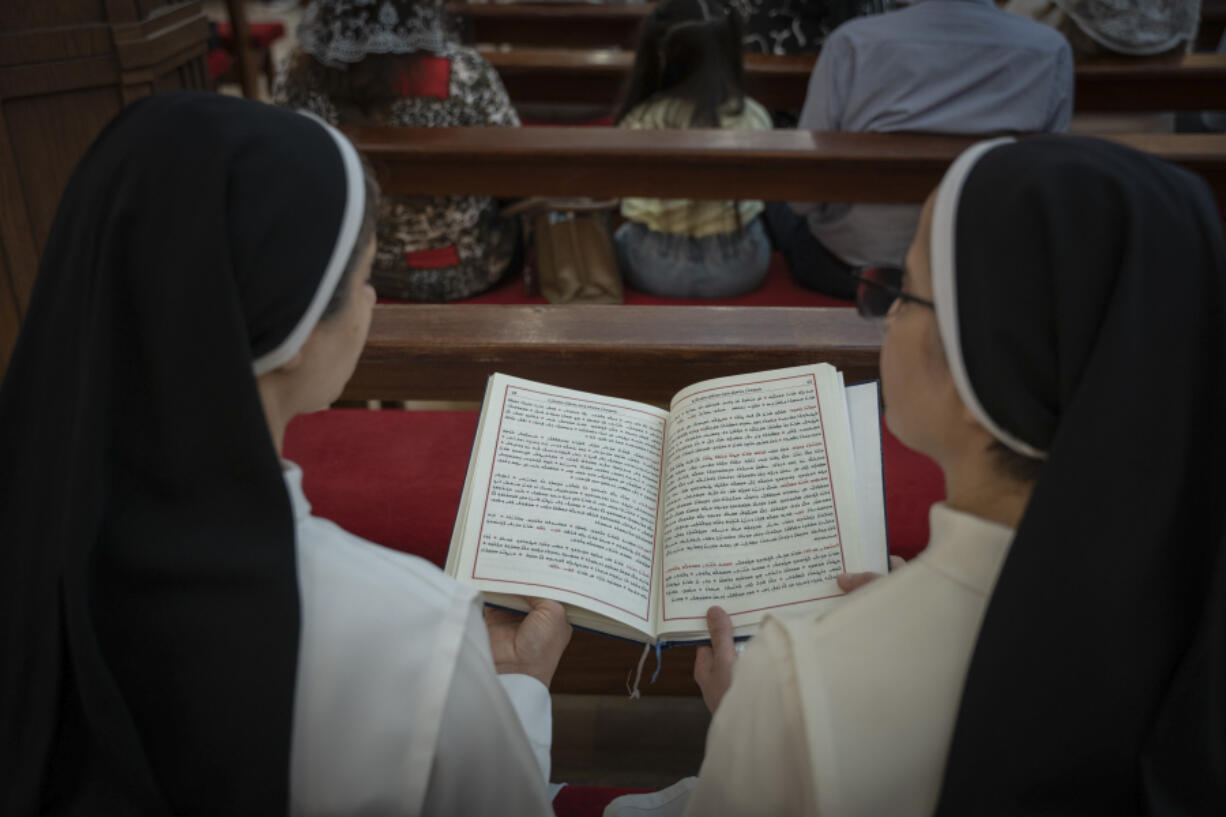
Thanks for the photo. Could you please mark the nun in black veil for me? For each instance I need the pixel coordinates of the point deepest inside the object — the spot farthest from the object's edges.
(179, 635)
(1088, 329)
(1058, 347)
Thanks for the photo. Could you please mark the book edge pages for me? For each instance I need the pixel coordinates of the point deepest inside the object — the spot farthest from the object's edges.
(864, 411)
(454, 551)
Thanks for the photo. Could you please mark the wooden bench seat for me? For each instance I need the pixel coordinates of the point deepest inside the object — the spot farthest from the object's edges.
(779, 288)
(596, 76)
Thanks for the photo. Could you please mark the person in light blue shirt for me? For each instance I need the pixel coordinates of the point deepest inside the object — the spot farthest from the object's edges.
(936, 66)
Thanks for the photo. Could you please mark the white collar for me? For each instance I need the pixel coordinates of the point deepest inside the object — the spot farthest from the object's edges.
(969, 549)
(293, 486)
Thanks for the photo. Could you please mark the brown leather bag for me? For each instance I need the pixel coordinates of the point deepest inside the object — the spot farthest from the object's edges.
(574, 258)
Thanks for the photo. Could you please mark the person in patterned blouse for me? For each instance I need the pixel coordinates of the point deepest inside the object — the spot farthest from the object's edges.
(398, 62)
(798, 26)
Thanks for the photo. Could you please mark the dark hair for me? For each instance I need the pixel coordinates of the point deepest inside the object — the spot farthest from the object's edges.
(1017, 467)
(366, 235)
(690, 50)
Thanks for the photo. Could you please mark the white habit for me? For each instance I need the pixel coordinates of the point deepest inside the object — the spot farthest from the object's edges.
(850, 713)
(398, 709)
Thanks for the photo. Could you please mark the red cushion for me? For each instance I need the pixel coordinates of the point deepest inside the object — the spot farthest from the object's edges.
(219, 62)
(259, 35)
(436, 258)
(394, 477)
(426, 76)
(587, 801)
(912, 484)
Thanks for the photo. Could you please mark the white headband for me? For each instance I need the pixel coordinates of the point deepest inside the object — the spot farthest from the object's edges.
(945, 290)
(347, 236)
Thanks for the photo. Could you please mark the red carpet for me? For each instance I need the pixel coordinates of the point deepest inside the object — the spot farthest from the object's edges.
(779, 289)
(587, 801)
(394, 477)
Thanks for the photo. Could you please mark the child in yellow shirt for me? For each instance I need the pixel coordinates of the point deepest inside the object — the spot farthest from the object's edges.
(688, 74)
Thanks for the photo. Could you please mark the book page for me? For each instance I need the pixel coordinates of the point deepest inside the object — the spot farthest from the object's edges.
(760, 509)
(564, 499)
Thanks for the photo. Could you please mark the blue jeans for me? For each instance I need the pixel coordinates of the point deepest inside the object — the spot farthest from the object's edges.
(678, 266)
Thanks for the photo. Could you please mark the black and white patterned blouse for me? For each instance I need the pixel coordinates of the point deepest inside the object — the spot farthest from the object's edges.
(797, 26)
(430, 248)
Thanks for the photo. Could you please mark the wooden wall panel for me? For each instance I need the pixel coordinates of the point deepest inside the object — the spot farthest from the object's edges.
(17, 15)
(51, 133)
(18, 254)
(10, 319)
(66, 68)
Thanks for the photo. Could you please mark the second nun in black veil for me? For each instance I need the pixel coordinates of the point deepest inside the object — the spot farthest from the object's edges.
(1088, 329)
(180, 635)
(1059, 648)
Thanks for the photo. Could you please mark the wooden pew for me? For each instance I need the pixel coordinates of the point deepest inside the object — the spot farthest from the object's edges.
(557, 75)
(1212, 23)
(702, 164)
(577, 25)
(1192, 82)
(560, 75)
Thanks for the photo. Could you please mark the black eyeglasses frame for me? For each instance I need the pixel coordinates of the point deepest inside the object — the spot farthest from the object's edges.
(895, 293)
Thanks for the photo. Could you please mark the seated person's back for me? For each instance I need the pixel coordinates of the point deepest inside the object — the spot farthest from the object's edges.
(798, 26)
(1132, 28)
(938, 66)
(406, 69)
(688, 73)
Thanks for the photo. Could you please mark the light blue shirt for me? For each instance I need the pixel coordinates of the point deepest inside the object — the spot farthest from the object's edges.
(937, 66)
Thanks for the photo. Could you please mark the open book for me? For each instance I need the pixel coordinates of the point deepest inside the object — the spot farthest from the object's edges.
(752, 492)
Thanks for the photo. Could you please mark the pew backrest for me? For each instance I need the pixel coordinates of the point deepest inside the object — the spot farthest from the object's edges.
(596, 76)
(578, 25)
(646, 353)
(783, 165)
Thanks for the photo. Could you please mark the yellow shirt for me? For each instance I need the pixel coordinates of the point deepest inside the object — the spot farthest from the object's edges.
(684, 216)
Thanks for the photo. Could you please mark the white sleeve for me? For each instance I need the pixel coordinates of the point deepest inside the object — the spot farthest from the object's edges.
(756, 760)
(484, 762)
(532, 704)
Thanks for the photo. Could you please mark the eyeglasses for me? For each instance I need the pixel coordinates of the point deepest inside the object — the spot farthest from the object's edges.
(878, 288)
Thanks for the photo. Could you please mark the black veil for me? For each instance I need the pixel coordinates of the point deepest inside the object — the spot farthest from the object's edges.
(1080, 288)
(148, 597)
